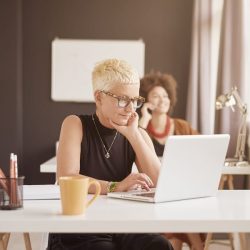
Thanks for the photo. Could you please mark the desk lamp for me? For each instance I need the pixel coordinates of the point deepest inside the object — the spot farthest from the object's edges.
(230, 100)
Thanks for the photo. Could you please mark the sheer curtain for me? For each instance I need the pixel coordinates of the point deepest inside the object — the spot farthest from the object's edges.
(203, 67)
(220, 59)
(232, 69)
(247, 66)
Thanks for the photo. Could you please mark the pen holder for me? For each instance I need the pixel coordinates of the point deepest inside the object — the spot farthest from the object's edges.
(11, 193)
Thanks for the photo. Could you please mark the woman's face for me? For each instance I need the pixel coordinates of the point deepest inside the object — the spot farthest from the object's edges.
(109, 104)
(158, 96)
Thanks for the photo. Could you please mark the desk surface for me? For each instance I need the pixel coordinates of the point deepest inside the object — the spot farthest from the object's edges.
(50, 167)
(228, 212)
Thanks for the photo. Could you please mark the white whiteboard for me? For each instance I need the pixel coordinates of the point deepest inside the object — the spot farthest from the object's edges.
(74, 60)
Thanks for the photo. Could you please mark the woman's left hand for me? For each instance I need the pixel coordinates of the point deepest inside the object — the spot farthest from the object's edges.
(134, 180)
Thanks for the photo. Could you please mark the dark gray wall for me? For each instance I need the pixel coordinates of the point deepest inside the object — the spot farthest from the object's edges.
(30, 120)
(10, 81)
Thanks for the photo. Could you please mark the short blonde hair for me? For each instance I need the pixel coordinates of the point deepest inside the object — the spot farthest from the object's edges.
(109, 72)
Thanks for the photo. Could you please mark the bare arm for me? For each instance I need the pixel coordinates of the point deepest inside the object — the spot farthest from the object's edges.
(69, 150)
(146, 158)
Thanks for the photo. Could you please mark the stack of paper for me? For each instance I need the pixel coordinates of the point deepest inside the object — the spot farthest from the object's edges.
(41, 192)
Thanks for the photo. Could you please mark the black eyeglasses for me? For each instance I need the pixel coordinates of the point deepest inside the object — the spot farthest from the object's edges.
(124, 101)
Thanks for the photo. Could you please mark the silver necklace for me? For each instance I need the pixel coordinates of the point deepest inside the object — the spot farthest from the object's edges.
(107, 155)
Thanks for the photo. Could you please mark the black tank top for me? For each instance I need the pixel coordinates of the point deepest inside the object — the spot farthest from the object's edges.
(159, 148)
(93, 161)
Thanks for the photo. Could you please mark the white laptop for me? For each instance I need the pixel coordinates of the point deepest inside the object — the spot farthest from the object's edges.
(191, 167)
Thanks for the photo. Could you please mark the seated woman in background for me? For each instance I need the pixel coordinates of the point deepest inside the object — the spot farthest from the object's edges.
(159, 90)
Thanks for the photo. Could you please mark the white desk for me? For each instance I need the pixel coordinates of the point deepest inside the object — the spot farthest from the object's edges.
(50, 167)
(241, 170)
(228, 212)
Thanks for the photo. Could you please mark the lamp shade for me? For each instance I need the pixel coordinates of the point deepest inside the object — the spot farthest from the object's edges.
(226, 100)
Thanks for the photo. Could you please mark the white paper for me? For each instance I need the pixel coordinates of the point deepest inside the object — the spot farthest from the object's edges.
(41, 192)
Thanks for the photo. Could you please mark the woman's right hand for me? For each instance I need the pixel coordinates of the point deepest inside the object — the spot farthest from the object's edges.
(132, 180)
(146, 108)
(145, 114)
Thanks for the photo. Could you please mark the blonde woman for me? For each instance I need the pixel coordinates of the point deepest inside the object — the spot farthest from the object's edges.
(104, 146)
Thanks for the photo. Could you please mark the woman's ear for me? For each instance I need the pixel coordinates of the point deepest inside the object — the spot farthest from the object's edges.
(97, 96)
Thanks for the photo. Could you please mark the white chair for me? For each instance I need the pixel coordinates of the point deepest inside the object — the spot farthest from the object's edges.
(44, 241)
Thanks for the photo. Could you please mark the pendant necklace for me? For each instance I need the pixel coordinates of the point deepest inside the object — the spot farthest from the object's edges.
(107, 154)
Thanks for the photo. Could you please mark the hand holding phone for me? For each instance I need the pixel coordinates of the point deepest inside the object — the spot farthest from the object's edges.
(147, 109)
(146, 114)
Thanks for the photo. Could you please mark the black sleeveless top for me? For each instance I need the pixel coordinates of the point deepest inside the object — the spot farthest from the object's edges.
(93, 162)
(159, 148)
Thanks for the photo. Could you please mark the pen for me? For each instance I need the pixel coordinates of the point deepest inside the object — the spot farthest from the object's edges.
(15, 166)
(12, 168)
(3, 182)
(13, 184)
(18, 193)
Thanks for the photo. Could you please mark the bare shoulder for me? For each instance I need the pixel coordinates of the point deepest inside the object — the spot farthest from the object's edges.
(72, 121)
(72, 124)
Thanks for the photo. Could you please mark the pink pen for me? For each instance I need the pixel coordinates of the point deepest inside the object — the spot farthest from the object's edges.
(12, 173)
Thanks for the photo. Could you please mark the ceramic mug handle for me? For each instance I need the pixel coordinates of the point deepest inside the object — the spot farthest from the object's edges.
(97, 192)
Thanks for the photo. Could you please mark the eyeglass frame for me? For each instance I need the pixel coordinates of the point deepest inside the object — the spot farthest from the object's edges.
(124, 98)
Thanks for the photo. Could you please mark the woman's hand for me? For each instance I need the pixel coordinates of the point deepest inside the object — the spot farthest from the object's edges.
(130, 128)
(132, 180)
(146, 115)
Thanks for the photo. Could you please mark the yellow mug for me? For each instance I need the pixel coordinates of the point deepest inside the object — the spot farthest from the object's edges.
(74, 191)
